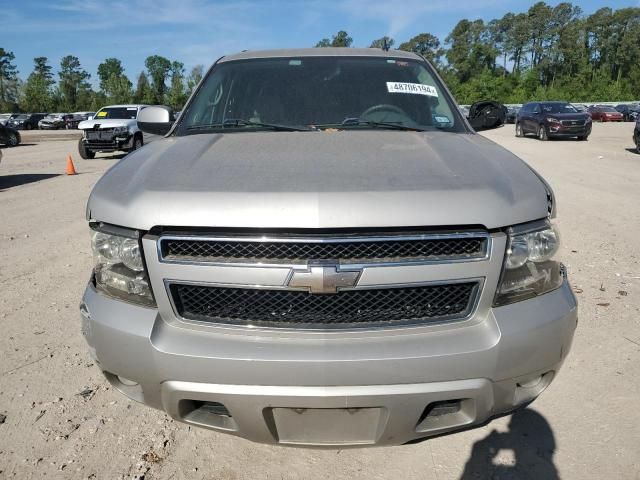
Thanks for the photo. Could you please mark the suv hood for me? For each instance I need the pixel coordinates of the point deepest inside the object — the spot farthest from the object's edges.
(106, 123)
(569, 116)
(343, 179)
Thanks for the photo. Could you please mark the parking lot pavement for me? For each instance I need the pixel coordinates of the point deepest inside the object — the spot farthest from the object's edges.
(63, 420)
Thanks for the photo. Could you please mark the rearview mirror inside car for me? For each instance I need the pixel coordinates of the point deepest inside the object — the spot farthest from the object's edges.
(155, 120)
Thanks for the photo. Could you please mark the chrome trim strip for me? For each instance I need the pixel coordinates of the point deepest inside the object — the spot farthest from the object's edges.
(479, 288)
(337, 239)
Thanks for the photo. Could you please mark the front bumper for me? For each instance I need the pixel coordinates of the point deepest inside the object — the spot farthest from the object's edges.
(568, 131)
(114, 144)
(331, 391)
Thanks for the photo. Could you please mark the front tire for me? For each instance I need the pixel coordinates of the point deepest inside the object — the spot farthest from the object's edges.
(583, 138)
(519, 132)
(84, 153)
(137, 143)
(542, 133)
(12, 140)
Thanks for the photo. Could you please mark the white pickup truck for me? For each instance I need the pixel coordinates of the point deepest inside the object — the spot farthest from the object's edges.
(113, 128)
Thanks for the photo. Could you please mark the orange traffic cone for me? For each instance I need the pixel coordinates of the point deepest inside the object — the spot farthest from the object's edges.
(71, 169)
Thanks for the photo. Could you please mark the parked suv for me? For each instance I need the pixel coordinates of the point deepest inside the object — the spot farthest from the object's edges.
(9, 136)
(552, 119)
(27, 121)
(629, 112)
(5, 117)
(113, 128)
(53, 121)
(322, 252)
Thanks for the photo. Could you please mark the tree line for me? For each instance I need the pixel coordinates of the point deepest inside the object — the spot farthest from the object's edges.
(161, 82)
(548, 52)
(545, 53)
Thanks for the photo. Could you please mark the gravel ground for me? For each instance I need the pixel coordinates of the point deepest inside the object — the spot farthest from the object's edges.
(60, 419)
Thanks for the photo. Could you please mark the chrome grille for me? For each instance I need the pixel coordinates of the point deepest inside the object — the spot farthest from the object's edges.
(345, 250)
(573, 123)
(103, 134)
(358, 308)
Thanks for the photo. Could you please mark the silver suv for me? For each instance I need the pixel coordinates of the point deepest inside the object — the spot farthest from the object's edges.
(322, 252)
(113, 128)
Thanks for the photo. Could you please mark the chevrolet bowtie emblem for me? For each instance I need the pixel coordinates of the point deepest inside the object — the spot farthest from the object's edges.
(323, 279)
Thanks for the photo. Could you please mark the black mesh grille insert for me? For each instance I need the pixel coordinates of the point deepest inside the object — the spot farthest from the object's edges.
(345, 309)
(358, 250)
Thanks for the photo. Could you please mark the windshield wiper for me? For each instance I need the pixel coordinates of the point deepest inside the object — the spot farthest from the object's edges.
(357, 122)
(239, 122)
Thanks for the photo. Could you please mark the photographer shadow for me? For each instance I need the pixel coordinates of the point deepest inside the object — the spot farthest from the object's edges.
(525, 451)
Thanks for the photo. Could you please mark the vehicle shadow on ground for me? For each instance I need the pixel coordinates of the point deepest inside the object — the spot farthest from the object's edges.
(525, 451)
(9, 181)
(118, 156)
(18, 146)
(632, 150)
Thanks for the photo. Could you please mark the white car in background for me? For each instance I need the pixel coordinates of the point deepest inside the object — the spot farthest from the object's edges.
(113, 128)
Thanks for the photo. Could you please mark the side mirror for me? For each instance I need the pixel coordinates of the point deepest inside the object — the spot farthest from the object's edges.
(90, 117)
(155, 120)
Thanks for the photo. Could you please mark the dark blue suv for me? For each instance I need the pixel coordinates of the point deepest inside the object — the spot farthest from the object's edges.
(552, 119)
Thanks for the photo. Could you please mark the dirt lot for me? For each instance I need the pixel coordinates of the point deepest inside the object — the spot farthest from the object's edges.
(64, 421)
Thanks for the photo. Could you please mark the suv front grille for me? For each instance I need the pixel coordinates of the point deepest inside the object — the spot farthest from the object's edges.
(357, 308)
(342, 250)
(573, 123)
(102, 135)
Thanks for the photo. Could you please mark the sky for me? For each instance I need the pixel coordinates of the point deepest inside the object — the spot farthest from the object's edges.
(200, 31)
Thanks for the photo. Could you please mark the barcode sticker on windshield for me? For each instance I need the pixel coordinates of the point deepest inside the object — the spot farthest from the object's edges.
(412, 88)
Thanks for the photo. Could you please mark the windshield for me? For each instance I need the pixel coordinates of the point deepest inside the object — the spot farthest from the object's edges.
(558, 108)
(608, 109)
(118, 113)
(20, 117)
(320, 92)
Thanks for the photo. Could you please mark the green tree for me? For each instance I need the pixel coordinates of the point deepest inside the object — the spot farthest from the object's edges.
(98, 100)
(143, 92)
(177, 95)
(194, 78)
(340, 39)
(37, 92)
(384, 42)
(74, 87)
(8, 81)
(424, 44)
(470, 49)
(158, 69)
(113, 81)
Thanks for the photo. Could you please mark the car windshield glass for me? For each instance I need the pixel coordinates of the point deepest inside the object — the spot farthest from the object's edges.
(312, 93)
(558, 108)
(21, 117)
(119, 113)
(608, 109)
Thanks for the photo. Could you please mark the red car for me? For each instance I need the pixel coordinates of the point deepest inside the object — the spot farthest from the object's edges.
(603, 113)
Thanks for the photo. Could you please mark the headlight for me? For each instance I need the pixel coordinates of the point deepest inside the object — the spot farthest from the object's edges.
(119, 267)
(120, 130)
(552, 120)
(529, 269)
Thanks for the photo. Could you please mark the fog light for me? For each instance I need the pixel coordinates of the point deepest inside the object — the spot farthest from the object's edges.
(127, 382)
(530, 383)
(528, 389)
